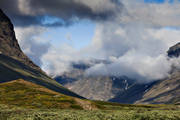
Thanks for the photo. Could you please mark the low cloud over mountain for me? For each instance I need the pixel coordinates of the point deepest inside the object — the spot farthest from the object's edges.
(133, 35)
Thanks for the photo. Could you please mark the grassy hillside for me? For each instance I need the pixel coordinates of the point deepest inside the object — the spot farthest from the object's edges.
(11, 69)
(29, 95)
(23, 100)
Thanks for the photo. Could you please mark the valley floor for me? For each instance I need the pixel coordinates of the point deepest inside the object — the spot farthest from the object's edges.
(124, 112)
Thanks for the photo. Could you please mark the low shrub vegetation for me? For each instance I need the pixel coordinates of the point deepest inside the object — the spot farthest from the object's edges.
(14, 113)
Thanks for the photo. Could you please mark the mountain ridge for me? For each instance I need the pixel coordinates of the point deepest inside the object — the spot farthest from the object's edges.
(8, 43)
(14, 64)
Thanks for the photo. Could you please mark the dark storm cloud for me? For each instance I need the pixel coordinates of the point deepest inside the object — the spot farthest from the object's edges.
(33, 12)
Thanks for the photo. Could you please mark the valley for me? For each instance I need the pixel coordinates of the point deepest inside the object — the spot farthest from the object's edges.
(28, 93)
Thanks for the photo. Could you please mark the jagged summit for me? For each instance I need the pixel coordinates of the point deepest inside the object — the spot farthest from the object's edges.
(3, 17)
(174, 51)
(8, 43)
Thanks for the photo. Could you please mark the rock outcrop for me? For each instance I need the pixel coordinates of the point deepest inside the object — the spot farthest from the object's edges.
(174, 51)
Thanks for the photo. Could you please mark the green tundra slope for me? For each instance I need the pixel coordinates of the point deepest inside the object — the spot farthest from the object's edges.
(28, 95)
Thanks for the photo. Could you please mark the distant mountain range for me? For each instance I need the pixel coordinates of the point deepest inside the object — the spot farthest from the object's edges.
(123, 89)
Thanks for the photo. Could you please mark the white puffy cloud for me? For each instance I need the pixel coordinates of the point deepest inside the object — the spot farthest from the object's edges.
(135, 42)
(138, 51)
(139, 67)
(31, 42)
(58, 60)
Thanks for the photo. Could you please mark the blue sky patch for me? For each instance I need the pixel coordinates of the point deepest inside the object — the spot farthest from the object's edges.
(78, 35)
(158, 1)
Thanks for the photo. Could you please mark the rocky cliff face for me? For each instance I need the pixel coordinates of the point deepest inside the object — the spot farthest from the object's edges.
(8, 42)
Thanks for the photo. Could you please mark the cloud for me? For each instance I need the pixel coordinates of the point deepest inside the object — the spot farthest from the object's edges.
(66, 12)
(116, 40)
(134, 50)
(137, 41)
(34, 12)
(138, 51)
(138, 67)
(58, 60)
(31, 43)
(133, 35)
(153, 14)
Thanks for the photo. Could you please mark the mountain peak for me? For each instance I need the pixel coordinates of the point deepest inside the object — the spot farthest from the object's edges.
(3, 17)
(174, 51)
(8, 43)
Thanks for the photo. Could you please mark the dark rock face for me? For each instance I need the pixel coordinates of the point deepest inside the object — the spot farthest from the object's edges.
(174, 51)
(8, 42)
(134, 93)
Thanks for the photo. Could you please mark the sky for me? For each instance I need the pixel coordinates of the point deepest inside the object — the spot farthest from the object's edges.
(155, 1)
(134, 35)
(78, 35)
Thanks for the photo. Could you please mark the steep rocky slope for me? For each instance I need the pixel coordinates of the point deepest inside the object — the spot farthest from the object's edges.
(8, 42)
(166, 91)
(14, 64)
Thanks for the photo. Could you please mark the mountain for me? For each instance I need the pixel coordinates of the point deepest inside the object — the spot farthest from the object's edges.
(8, 42)
(123, 89)
(105, 88)
(167, 90)
(174, 51)
(163, 92)
(14, 64)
